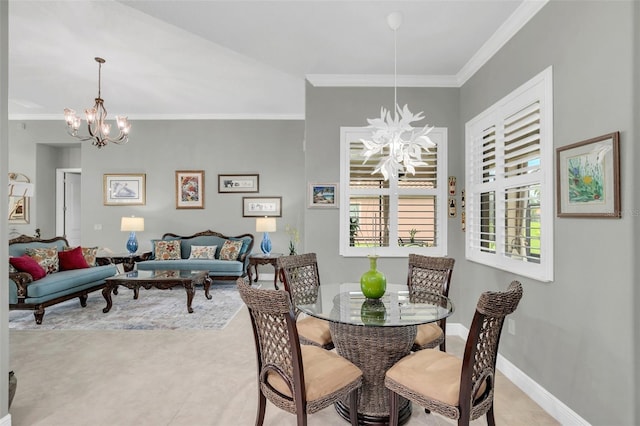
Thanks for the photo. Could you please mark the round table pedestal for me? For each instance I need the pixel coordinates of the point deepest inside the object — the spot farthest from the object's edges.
(374, 350)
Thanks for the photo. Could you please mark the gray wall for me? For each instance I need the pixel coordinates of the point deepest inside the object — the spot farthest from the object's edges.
(574, 335)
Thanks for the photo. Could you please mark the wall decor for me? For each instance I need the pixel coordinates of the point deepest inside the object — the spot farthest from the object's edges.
(452, 185)
(323, 195)
(588, 178)
(20, 189)
(124, 189)
(261, 206)
(452, 207)
(238, 183)
(189, 189)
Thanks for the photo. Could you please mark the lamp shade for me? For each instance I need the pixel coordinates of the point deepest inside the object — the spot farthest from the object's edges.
(132, 224)
(266, 224)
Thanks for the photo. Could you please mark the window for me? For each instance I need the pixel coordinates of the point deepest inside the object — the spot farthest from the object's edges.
(509, 182)
(394, 217)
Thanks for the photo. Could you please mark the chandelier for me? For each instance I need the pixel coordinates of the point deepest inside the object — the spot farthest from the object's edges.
(394, 135)
(97, 125)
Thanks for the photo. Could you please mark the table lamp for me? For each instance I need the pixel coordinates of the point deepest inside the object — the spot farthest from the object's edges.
(131, 225)
(266, 225)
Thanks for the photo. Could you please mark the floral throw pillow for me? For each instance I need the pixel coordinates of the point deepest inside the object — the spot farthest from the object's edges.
(89, 253)
(46, 257)
(203, 252)
(230, 250)
(167, 250)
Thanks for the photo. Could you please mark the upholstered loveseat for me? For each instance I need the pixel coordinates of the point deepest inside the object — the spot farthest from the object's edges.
(56, 286)
(226, 258)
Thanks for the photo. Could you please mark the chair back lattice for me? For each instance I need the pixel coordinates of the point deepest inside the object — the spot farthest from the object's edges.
(301, 277)
(481, 350)
(428, 275)
(277, 341)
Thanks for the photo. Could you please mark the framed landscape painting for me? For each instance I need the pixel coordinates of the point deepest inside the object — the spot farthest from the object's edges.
(588, 178)
(124, 189)
(189, 189)
(323, 195)
(261, 206)
(238, 183)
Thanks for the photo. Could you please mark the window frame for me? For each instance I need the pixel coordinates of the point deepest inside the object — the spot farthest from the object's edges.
(538, 89)
(439, 135)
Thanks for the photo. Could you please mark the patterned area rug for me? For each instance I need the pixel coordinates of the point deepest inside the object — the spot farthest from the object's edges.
(154, 309)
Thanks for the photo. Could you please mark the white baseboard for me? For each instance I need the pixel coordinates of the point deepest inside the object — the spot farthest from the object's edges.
(6, 420)
(552, 405)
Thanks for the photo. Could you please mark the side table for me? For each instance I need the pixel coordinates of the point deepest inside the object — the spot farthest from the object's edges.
(263, 259)
(127, 260)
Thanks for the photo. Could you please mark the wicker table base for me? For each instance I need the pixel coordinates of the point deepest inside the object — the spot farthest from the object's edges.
(374, 350)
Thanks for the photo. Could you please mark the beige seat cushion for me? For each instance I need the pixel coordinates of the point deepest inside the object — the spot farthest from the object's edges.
(431, 373)
(325, 372)
(314, 329)
(427, 333)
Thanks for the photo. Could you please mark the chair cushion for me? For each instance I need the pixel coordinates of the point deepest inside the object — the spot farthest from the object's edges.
(325, 372)
(427, 333)
(431, 373)
(314, 329)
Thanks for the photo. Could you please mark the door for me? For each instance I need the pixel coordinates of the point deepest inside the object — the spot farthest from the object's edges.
(68, 219)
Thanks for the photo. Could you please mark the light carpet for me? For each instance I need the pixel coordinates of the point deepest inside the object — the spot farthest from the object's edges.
(153, 310)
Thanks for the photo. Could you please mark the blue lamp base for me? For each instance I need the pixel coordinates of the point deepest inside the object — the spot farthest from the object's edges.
(132, 243)
(265, 245)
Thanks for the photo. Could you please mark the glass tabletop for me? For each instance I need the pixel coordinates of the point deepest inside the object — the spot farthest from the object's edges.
(143, 275)
(346, 304)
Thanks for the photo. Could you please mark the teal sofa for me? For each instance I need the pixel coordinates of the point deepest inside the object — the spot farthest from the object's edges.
(25, 293)
(218, 269)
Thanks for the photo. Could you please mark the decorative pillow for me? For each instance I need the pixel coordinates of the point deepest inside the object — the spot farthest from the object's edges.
(72, 259)
(12, 269)
(203, 252)
(46, 257)
(29, 265)
(89, 253)
(167, 250)
(230, 250)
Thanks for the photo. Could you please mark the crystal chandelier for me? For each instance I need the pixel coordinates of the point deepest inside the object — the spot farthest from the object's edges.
(394, 135)
(97, 125)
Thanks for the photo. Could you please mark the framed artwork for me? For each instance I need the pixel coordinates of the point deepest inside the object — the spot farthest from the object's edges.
(238, 183)
(124, 189)
(323, 195)
(588, 178)
(18, 210)
(189, 189)
(261, 206)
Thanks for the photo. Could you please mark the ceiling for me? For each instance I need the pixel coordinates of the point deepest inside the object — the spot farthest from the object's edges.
(171, 59)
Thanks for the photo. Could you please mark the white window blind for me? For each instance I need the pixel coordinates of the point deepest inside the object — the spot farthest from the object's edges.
(509, 182)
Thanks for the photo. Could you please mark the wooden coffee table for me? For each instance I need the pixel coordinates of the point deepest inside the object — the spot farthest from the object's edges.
(159, 279)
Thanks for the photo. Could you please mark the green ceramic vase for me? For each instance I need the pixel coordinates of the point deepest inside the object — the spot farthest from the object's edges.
(373, 283)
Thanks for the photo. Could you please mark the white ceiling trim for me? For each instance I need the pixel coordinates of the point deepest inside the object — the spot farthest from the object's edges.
(381, 80)
(503, 34)
(133, 117)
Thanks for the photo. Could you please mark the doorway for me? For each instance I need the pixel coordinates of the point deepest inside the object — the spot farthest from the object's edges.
(68, 202)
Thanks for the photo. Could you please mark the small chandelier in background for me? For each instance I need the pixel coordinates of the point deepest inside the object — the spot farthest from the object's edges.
(405, 144)
(97, 125)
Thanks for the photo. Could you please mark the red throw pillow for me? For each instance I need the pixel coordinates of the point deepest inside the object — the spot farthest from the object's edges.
(26, 264)
(72, 259)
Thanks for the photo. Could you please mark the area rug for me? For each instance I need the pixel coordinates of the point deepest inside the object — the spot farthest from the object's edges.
(153, 310)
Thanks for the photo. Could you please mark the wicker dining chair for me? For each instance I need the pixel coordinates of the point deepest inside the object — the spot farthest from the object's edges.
(461, 389)
(300, 379)
(429, 275)
(301, 279)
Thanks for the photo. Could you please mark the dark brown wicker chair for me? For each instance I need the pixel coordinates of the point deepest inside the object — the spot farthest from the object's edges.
(429, 275)
(299, 379)
(301, 279)
(457, 388)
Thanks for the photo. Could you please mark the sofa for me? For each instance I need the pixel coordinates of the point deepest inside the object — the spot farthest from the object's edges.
(27, 292)
(226, 258)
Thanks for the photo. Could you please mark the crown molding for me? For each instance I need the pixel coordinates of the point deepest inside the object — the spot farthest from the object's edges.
(503, 34)
(381, 80)
(60, 117)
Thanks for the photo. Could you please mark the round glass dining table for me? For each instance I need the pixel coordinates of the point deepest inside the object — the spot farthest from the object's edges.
(374, 334)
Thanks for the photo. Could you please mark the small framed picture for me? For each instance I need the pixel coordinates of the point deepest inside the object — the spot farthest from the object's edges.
(588, 178)
(238, 183)
(189, 189)
(323, 195)
(124, 189)
(261, 206)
